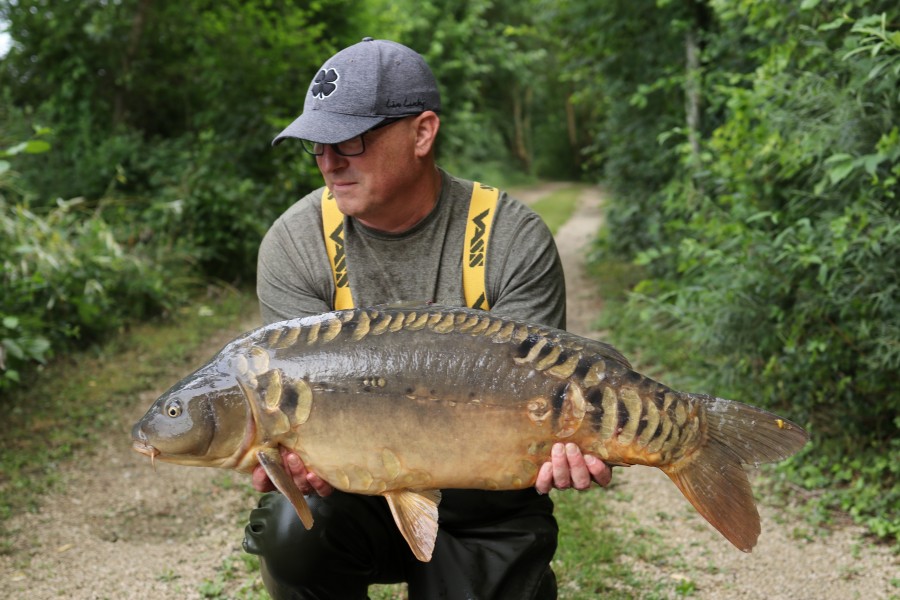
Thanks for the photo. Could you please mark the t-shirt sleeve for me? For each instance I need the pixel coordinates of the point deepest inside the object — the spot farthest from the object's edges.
(292, 276)
(525, 275)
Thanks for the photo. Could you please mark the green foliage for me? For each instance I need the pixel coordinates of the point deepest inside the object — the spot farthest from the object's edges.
(66, 278)
(171, 104)
(502, 103)
(160, 116)
(774, 265)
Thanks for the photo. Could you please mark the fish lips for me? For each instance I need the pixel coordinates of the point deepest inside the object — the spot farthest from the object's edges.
(140, 444)
(145, 448)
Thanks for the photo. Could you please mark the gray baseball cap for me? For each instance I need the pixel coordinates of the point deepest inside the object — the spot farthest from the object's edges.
(361, 86)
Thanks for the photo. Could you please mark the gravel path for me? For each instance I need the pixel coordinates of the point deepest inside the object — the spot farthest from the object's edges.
(122, 530)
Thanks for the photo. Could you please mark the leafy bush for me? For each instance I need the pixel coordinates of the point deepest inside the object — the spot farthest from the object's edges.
(66, 278)
(775, 271)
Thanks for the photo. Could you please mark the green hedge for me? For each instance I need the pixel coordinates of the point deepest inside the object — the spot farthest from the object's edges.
(773, 267)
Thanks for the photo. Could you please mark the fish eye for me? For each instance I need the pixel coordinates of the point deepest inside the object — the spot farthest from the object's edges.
(173, 408)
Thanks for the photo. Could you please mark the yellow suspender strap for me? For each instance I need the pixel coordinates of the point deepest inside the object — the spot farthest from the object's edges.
(333, 228)
(482, 207)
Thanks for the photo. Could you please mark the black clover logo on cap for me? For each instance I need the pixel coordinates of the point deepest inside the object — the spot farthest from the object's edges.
(324, 83)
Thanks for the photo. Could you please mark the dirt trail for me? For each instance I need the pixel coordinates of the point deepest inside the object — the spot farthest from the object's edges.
(785, 564)
(122, 530)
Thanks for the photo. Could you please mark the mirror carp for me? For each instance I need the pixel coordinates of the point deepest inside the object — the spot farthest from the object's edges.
(404, 402)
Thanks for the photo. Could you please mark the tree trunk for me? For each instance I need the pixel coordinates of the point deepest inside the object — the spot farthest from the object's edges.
(693, 87)
(521, 126)
(572, 131)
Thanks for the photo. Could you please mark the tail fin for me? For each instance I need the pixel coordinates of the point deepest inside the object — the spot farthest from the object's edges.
(713, 478)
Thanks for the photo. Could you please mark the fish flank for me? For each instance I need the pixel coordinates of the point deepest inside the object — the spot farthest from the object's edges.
(565, 366)
(662, 433)
(494, 326)
(416, 322)
(534, 348)
(332, 329)
(397, 322)
(550, 356)
(521, 333)
(479, 326)
(526, 346)
(557, 402)
(381, 324)
(581, 370)
(631, 405)
(610, 420)
(445, 325)
(649, 424)
(596, 373)
(505, 333)
(362, 326)
(313, 335)
(595, 407)
(659, 398)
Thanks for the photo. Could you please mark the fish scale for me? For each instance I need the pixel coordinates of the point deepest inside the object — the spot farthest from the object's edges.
(406, 401)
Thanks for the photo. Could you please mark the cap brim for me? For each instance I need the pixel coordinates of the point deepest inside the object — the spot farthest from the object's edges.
(327, 127)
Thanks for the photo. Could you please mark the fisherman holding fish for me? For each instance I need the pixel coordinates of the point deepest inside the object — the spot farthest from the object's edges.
(412, 416)
(391, 227)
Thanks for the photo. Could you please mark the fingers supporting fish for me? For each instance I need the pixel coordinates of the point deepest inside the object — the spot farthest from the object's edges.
(578, 471)
(569, 468)
(600, 471)
(260, 480)
(307, 481)
(562, 476)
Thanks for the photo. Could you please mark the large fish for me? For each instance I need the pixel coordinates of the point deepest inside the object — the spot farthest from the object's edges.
(402, 402)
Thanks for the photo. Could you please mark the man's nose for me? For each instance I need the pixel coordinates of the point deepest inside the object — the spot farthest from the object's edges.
(330, 160)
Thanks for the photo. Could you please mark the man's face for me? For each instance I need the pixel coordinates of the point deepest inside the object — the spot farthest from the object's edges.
(365, 185)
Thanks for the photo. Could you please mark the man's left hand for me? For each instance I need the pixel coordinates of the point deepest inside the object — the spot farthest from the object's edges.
(568, 467)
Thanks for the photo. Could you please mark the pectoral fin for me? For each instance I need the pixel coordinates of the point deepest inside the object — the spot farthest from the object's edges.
(271, 461)
(416, 515)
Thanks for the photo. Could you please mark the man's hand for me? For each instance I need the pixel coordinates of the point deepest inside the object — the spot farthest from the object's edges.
(568, 467)
(308, 482)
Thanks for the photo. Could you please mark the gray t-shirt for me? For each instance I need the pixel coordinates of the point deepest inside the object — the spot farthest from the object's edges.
(524, 280)
(524, 277)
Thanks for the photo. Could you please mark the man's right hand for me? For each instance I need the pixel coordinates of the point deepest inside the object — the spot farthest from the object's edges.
(306, 481)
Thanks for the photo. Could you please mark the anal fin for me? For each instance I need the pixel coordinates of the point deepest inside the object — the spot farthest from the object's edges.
(271, 461)
(416, 515)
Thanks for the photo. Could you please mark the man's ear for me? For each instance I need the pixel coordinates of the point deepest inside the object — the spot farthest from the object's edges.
(427, 125)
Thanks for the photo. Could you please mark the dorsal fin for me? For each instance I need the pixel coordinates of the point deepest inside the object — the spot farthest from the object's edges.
(416, 515)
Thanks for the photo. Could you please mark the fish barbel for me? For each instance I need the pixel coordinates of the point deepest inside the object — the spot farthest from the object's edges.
(404, 402)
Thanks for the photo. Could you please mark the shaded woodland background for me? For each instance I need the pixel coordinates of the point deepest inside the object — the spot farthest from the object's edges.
(751, 150)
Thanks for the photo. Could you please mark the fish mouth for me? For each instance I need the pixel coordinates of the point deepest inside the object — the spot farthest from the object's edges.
(145, 448)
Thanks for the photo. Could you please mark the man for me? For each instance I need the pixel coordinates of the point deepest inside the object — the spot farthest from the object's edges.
(370, 118)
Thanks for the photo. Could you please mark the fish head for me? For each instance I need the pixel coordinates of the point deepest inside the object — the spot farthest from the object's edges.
(203, 420)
